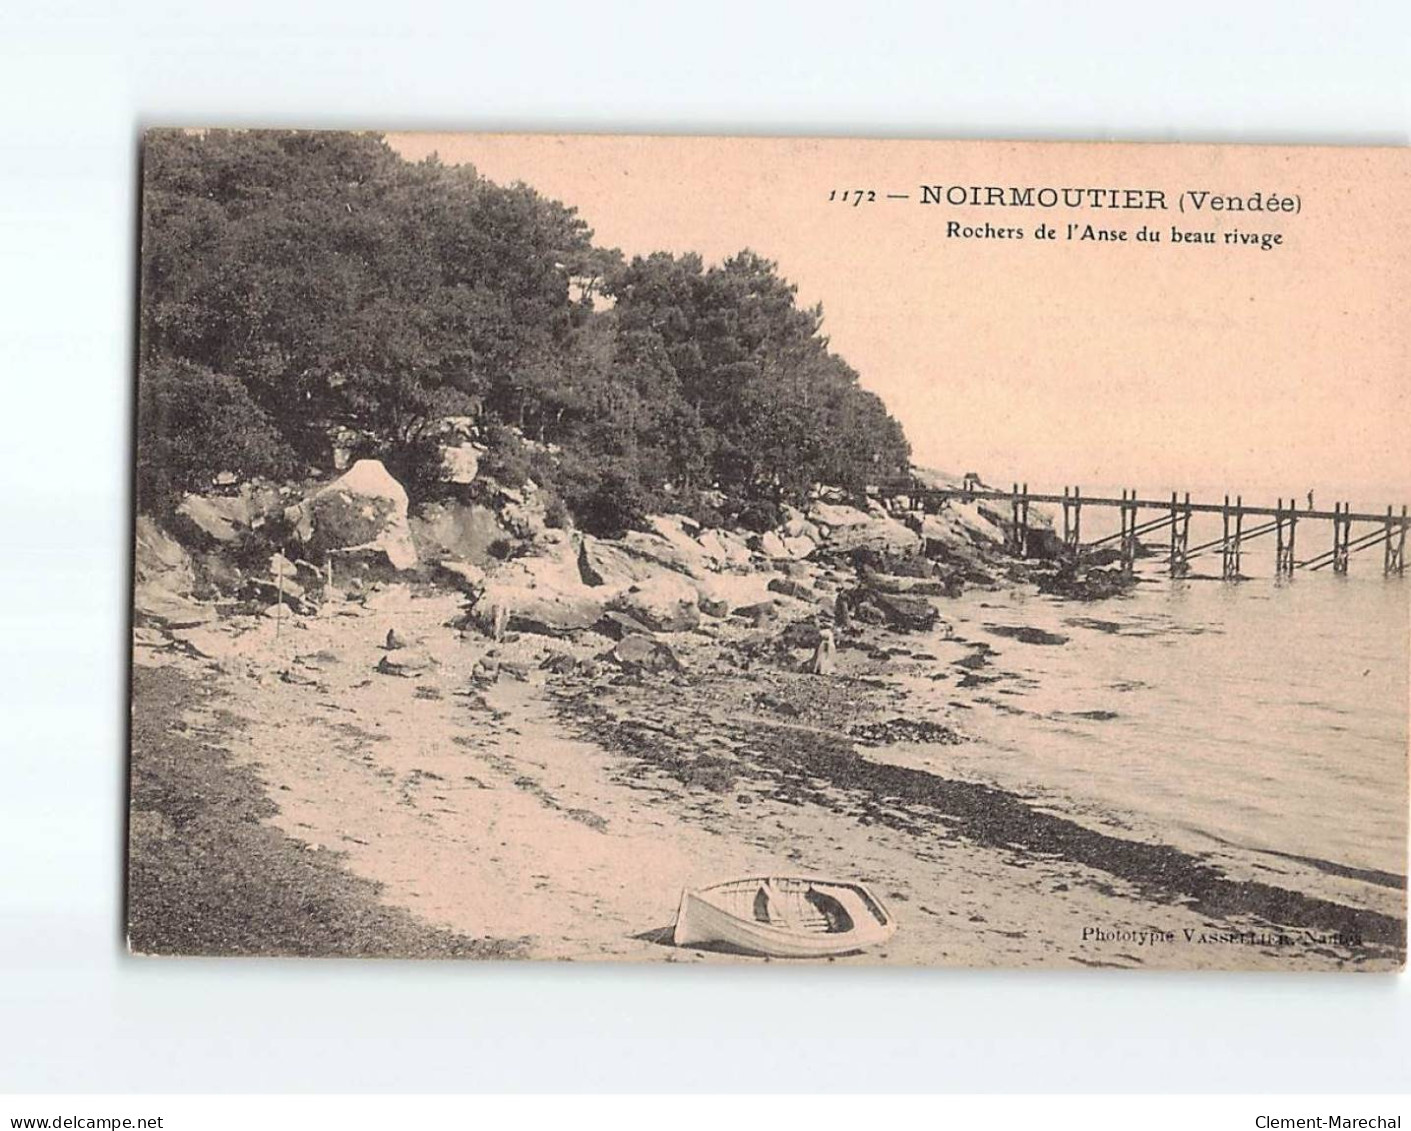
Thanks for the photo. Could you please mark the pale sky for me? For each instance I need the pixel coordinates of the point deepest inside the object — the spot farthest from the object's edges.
(1166, 367)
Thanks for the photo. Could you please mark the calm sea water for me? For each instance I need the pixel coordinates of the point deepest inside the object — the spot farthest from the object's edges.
(1263, 723)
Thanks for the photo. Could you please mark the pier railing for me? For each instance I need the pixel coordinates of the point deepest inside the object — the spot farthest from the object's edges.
(1173, 516)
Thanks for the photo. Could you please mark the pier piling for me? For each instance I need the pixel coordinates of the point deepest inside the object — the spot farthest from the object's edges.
(1019, 537)
(1342, 530)
(1072, 522)
(1393, 561)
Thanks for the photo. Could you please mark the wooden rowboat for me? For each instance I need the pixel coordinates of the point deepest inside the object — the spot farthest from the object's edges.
(783, 917)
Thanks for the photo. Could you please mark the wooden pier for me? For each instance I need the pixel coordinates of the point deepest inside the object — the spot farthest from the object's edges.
(1241, 524)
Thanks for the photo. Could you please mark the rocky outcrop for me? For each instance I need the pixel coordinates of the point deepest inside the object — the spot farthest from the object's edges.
(725, 549)
(542, 594)
(916, 586)
(789, 587)
(460, 463)
(221, 519)
(619, 625)
(456, 531)
(842, 530)
(799, 547)
(216, 521)
(160, 563)
(663, 603)
(677, 529)
(828, 517)
(718, 593)
(550, 612)
(683, 555)
(363, 511)
(643, 654)
(524, 511)
(163, 580)
(770, 544)
(463, 575)
(797, 525)
(1095, 585)
(603, 563)
(779, 546)
(901, 611)
(406, 662)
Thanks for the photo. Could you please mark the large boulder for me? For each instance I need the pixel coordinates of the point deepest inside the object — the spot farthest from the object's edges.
(901, 611)
(364, 510)
(834, 515)
(619, 625)
(916, 586)
(215, 518)
(759, 614)
(676, 528)
(725, 549)
(222, 520)
(684, 555)
(638, 653)
(461, 463)
(714, 606)
(946, 542)
(883, 535)
(464, 575)
(159, 561)
(791, 587)
(770, 544)
(736, 546)
(542, 594)
(1096, 585)
(163, 580)
(664, 603)
(983, 522)
(938, 533)
(718, 593)
(799, 546)
(525, 511)
(407, 662)
(674, 542)
(460, 531)
(548, 610)
(797, 525)
(608, 564)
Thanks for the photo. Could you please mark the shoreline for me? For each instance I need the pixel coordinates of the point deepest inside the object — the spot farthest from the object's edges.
(209, 873)
(556, 808)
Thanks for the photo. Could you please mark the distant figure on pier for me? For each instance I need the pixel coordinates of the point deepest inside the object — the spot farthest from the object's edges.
(1310, 500)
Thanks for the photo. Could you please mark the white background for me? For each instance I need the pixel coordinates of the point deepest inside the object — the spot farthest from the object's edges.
(77, 81)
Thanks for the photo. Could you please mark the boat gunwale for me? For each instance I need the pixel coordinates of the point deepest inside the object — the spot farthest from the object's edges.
(878, 932)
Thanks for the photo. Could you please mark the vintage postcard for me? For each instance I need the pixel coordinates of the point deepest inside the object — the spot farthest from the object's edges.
(731, 550)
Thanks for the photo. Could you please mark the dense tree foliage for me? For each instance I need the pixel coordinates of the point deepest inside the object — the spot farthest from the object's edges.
(193, 424)
(301, 282)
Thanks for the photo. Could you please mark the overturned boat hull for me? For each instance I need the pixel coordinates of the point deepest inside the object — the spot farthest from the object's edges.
(783, 917)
